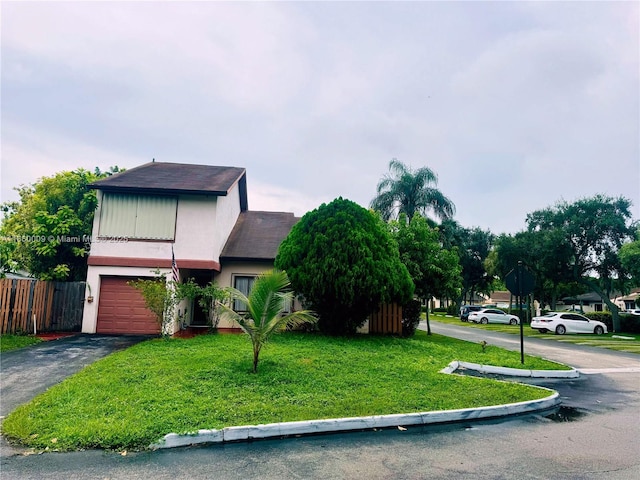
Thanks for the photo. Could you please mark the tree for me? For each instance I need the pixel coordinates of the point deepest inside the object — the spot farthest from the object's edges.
(473, 246)
(435, 271)
(266, 302)
(404, 190)
(630, 259)
(542, 252)
(47, 232)
(341, 258)
(162, 296)
(592, 230)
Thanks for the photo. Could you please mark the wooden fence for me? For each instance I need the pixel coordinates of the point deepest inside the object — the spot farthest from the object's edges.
(57, 306)
(387, 320)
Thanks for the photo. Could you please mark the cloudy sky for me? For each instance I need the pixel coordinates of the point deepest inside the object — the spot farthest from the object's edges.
(514, 105)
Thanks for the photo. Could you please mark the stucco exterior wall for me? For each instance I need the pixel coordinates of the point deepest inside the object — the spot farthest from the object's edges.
(202, 225)
(92, 289)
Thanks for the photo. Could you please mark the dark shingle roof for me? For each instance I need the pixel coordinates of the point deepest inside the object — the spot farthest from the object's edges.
(175, 178)
(258, 235)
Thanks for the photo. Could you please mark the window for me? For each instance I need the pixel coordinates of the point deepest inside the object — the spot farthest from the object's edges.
(244, 284)
(138, 216)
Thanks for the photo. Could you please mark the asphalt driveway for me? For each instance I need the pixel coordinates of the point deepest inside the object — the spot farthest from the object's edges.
(26, 372)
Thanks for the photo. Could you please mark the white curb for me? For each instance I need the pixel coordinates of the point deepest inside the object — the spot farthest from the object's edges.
(513, 372)
(271, 430)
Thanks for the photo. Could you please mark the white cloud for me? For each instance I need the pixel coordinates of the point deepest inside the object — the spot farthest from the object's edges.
(513, 105)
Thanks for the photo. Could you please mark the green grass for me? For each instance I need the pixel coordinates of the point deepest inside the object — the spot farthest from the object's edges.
(132, 398)
(608, 340)
(13, 342)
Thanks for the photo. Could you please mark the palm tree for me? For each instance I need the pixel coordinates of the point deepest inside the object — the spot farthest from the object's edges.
(404, 190)
(265, 305)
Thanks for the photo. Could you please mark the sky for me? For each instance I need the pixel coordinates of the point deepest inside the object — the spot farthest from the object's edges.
(514, 105)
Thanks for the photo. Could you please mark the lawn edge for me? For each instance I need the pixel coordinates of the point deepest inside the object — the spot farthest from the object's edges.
(512, 372)
(337, 425)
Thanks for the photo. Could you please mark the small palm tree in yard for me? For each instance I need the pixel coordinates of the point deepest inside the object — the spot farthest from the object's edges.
(265, 308)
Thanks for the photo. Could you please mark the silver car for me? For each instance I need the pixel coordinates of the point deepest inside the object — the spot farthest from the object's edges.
(493, 315)
(567, 322)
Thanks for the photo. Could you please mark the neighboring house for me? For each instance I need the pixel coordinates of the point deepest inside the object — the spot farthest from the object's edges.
(197, 214)
(502, 299)
(587, 302)
(627, 302)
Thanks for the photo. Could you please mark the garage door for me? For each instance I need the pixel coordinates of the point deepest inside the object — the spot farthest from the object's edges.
(121, 309)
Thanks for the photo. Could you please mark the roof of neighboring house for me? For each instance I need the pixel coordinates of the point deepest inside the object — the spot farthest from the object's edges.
(258, 235)
(177, 178)
(501, 296)
(585, 297)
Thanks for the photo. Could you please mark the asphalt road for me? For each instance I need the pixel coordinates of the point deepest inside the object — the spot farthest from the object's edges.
(596, 435)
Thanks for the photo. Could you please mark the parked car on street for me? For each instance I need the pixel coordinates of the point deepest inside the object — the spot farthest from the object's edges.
(634, 311)
(465, 310)
(567, 322)
(492, 315)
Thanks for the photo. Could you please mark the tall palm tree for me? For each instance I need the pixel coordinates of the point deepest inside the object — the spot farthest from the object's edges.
(265, 305)
(404, 190)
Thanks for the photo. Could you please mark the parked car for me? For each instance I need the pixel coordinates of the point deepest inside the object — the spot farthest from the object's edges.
(634, 311)
(567, 322)
(492, 315)
(465, 310)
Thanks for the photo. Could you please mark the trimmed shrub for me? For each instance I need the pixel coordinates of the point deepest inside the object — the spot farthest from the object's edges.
(410, 317)
(628, 323)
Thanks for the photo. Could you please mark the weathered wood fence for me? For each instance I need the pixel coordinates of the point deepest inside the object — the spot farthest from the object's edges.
(387, 320)
(57, 306)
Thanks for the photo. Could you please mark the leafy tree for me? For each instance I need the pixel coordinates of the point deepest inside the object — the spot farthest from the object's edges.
(630, 259)
(266, 301)
(542, 252)
(473, 246)
(592, 230)
(47, 232)
(436, 271)
(162, 297)
(404, 190)
(341, 258)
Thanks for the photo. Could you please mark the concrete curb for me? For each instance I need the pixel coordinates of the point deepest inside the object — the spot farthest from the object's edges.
(513, 372)
(311, 427)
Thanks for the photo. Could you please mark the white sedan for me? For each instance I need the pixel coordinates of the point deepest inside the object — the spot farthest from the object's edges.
(567, 322)
(493, 315)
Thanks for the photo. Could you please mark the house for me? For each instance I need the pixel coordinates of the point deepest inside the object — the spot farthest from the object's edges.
(586, 302)
(196, 214)
(627, 302)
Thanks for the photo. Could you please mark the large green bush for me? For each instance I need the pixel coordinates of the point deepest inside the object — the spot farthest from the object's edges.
(341, 258)
(628, 323)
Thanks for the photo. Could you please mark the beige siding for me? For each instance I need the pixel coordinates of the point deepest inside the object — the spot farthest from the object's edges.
(137, 216)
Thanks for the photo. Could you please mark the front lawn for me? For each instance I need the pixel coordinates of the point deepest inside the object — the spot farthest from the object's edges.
(134, 397)
(13, 342)
(629, 343)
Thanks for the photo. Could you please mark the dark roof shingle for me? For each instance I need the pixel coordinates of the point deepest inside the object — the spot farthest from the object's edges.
(258, 235)
(175, 178)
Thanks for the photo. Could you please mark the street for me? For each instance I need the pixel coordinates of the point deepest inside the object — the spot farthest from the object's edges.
(596, 435)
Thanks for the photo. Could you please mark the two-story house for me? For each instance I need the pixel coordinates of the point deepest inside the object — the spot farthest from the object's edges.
(156, 213)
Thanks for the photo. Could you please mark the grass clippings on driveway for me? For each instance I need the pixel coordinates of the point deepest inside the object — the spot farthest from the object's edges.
(622, 342)
(132, 398)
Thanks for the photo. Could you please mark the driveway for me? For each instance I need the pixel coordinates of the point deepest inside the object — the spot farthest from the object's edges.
(579, 356)
(26, 372)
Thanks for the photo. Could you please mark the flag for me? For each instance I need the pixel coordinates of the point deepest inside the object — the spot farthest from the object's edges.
(174, 267)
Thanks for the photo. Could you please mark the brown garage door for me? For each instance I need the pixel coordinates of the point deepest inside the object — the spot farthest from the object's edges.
(121, 309)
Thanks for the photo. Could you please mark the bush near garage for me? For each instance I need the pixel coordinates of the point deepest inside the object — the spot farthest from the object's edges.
(628, 323)
(411, 317)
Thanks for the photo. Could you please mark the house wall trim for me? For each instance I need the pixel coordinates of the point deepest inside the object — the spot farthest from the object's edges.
(100, 261)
